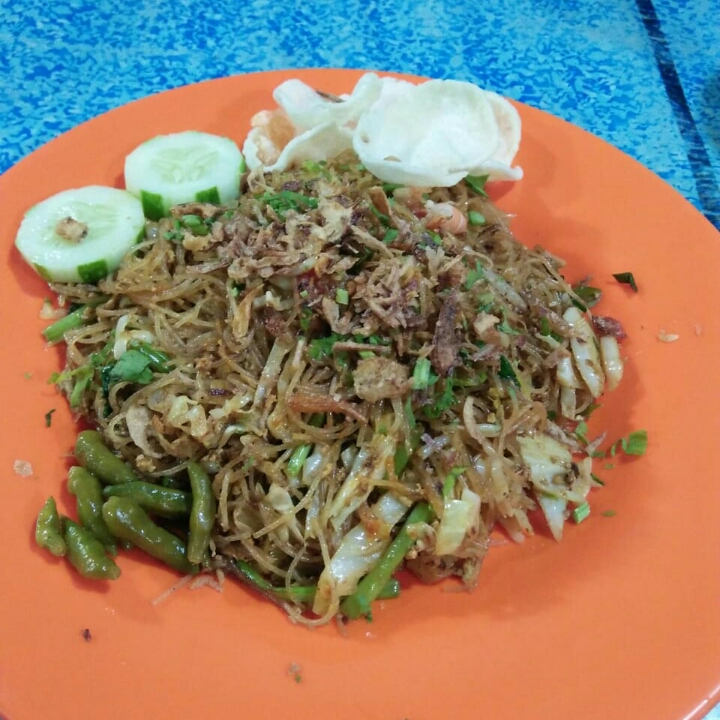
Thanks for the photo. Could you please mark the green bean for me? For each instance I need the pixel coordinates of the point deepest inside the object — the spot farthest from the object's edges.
(87, 554)
(174, 482)
(128, 521)
(370, 586)
(93, 454)
(48, 529)
(88, 492)
(154, 499)
(202, 515)
(304, 594)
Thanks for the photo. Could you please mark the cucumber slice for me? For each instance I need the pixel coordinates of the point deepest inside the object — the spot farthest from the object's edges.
(172, 169)
(80, 235)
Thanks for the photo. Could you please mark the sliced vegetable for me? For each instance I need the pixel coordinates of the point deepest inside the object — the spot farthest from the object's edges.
(80, 235)
(168, 170)
(584, 346)
(359, 603)
(458, 519)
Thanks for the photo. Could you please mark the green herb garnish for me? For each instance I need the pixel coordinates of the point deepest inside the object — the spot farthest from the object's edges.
(422, 375)
(474, 275)
(342, 297)
(476, 218)
(48, 417)
(390, 235)
(507, 372)
(581, 512)
(589, 295)
(627, 278)
(477, 183)
(450, 480)
(286, 200)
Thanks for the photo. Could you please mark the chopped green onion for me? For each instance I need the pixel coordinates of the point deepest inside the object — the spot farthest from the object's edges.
(341, 296)
(390, 235)
(476, 218)
(597, 479)
(590, 296)
(287, 200)
(384, 219)
(305, 319)
(609, 465)
(477, 183)
(450, 480)
(84, 376)
(422, 376)
(304, 293)
(435, 237)
(322, 347)
(366, 354)
(195, 224)
(636, 443)
(297, 459)
(505, 327)
(75, 319)
(581, 432)
(581, 512)
(390, 187)
(627, 278)
(474, 275)
(507, 372)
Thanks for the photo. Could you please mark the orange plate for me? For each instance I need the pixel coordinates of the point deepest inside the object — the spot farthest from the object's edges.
(620, 620)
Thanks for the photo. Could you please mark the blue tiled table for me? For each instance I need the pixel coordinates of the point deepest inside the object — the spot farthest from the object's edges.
(642, 74)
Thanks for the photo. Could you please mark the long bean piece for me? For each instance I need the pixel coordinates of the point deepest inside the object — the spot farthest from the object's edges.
(368, 589)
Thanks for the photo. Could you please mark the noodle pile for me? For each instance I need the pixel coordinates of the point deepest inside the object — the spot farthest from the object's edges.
(332, 353)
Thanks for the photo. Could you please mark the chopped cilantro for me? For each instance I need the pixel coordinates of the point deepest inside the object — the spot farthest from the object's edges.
(442, 402)
(507, 372)
(626, 278)
(322, 347)
(133, 366)
(597, 480)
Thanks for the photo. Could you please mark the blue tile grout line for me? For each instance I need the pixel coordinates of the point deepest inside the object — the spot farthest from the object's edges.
(707, 187)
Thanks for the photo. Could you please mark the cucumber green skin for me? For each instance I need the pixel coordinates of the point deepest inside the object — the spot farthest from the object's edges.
(155, 208)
